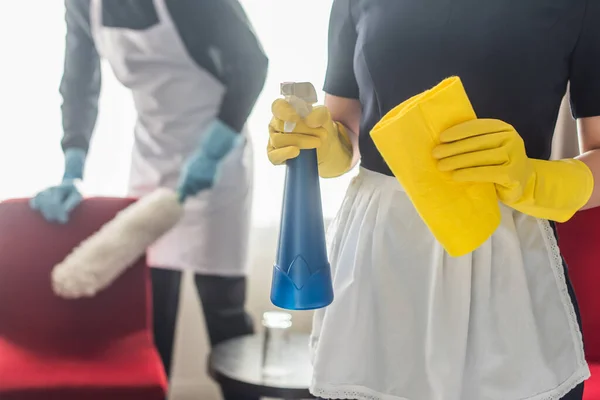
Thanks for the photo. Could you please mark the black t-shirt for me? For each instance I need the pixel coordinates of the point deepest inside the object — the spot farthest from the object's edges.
(515, 58)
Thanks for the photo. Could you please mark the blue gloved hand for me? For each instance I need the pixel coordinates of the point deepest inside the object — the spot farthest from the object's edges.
(201, 170)
(57, 202)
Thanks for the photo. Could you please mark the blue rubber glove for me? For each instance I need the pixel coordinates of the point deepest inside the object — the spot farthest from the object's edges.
(201, 170)
(57, 202)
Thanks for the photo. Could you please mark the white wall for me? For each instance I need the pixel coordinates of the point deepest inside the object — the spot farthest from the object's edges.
(566, 141)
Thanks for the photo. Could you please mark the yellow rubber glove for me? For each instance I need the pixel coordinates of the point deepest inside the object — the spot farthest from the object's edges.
(461, 216)
(492, 151)
(316, 131)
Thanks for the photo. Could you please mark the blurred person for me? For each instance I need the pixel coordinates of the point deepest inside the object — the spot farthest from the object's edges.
(408, 321)
(195, 70)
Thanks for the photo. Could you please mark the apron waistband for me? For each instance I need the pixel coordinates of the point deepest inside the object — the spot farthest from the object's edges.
(369, 177)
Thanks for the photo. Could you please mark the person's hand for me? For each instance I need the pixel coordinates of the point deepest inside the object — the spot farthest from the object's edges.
(201, 170)
(492, 151)
(200, 173)
(486, 150)
(56, 203)
(316, 131)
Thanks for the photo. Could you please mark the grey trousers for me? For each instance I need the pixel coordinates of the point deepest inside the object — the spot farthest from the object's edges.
(223, 303)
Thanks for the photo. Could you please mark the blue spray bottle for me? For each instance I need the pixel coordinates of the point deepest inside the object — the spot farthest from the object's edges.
(301, 275)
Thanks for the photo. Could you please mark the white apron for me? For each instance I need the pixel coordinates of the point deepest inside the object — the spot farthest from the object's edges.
(411, 323)
(176, 100)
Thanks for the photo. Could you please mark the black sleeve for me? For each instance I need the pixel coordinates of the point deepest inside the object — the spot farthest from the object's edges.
(80, 84)
(340, 79)
(585, 66)
(221, 40)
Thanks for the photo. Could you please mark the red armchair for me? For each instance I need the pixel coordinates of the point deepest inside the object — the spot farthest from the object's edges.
(94, 349)
(579, 241)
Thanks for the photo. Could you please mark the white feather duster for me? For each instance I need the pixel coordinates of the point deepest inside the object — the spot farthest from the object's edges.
(104, 256)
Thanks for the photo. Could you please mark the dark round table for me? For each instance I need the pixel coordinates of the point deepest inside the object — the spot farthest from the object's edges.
(237, 365)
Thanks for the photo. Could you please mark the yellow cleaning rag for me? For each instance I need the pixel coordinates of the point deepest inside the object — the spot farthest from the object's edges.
(461, 216)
